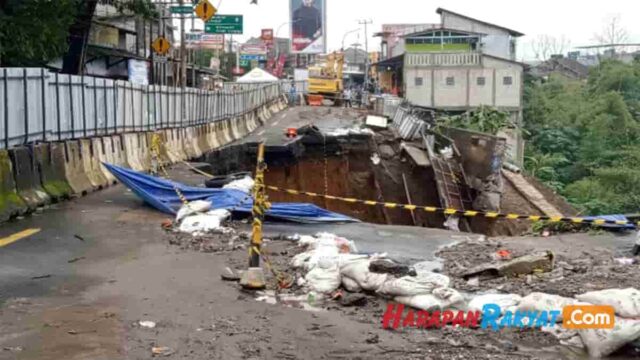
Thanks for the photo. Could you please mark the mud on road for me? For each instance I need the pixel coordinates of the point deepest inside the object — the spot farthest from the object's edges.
(573, 275)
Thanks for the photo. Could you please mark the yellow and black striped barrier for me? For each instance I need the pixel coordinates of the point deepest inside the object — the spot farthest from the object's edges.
(466, 213)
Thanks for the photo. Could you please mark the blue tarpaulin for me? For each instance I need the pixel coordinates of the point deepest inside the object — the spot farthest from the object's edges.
(160, 193)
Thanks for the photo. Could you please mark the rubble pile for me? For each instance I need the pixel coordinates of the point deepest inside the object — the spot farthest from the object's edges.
(330, 265)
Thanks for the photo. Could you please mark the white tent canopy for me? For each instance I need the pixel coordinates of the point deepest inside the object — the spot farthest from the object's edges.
(257, 75)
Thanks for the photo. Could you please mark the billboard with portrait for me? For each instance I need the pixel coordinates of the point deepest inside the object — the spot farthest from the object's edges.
(308, 26)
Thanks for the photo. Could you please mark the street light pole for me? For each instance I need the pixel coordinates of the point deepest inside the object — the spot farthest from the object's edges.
(345, 36)
(366, 63)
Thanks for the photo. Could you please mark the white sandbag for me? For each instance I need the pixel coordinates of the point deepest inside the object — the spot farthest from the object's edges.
(323, 280)
(193, 207)
(426, 302)
(413, 285)
(602, 342)
(545, 302)
(328, 239)
(441, 298)
(205, 223)
(245, 184)
(505, 301)
(358, 270)
(626, 302)
(299, 260)
(350, 285)
(450, 297)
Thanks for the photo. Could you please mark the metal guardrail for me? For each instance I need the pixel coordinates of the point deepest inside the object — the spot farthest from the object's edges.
(38, 105)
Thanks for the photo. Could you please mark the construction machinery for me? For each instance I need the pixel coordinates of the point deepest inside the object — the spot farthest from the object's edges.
(325, 81)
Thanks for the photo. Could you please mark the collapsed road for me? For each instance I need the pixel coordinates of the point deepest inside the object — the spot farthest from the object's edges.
(112, 283)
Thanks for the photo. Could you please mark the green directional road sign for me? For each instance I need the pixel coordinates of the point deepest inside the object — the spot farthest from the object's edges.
(224, 24)
(182, 9)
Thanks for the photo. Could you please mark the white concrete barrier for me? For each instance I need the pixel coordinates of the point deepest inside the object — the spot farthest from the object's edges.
(99, 150)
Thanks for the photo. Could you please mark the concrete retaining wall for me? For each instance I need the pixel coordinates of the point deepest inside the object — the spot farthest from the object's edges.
(33, 176)
(27, 178)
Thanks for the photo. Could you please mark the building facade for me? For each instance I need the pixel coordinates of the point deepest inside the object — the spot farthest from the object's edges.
(457, 66)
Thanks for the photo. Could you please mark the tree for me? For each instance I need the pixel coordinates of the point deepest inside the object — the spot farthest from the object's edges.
(544, 46)
(34, 32)
(612, 33)
(583, 139)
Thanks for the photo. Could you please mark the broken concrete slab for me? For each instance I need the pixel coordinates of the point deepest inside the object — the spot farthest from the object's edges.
(523, 265)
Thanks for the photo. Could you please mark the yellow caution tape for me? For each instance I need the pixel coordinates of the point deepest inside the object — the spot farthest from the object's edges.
(466, 213)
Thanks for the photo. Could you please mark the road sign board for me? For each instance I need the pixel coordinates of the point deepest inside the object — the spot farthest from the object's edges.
(162, 59)
(205, 10)
(161, 45)
(188, 9)
(224, 24)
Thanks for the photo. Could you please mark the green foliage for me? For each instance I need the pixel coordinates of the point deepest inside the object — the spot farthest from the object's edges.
(584, 138)
(484, 119)
(33, 32)
(142, 8)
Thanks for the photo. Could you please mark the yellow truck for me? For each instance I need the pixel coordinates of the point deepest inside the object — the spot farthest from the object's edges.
(326, 81)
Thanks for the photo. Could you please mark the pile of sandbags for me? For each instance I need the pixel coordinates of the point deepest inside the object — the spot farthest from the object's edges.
(197, 218)
(331, 262)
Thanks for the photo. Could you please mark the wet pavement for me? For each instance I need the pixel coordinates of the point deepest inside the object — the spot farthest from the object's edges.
(100, 263)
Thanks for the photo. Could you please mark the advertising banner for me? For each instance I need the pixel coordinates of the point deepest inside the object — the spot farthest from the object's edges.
(267, 36)
(308, 26)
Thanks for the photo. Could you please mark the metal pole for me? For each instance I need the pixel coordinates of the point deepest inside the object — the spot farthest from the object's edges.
(260, 206)
(84, 109)
(106, 110)
(44, 106)
(57, 103)
(26, 105)
(73, 120)
(95, 107)
(183, 64)
(6, 109)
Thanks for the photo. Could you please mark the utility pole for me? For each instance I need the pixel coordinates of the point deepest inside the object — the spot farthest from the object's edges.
(366, 61)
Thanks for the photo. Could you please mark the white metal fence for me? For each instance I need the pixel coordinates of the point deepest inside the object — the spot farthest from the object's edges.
(37, 105)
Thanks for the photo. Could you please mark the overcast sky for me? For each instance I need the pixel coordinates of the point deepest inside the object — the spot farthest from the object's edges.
(577, 20)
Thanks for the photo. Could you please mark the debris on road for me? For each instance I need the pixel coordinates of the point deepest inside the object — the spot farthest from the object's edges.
(41, 277)
(161, 350)
(78, 237)
(147, 324)
(229, 275)
(523, 265)
(71, 261)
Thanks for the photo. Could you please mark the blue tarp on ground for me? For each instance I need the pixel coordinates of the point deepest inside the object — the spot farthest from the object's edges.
(160, 193)
(615, 217)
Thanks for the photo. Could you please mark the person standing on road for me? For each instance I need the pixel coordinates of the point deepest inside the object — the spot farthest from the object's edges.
(292, 94)
(347, 97)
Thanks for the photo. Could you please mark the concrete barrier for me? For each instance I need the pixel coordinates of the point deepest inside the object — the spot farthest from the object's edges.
(49, 159)
(92, 164)
(74, 169)
(11, 204)
(27, 178)
(100, 154)
(144, 141)
(187, 144)
(193, 139)
(211, 137)
(243, 126)
(114, 148)
(219, 133)
(173, 150)
(203, 144)
(226, 131)
(132, 151)
(235, 132)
